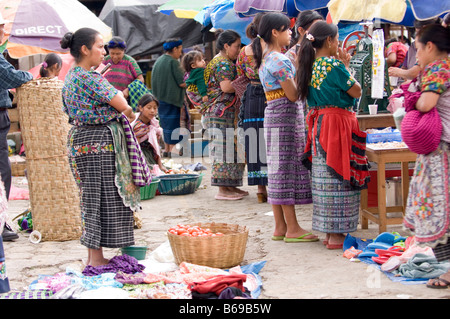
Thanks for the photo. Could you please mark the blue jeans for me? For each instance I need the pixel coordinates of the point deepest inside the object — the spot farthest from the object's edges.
(4, 282)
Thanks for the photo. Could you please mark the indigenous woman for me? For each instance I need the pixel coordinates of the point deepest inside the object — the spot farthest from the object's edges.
(288, 180)
(169, 88)
(335, 149)
(304, 21)
(221, 118)
(100, 146)
(124, 69)
(252, 112)
(428, 210)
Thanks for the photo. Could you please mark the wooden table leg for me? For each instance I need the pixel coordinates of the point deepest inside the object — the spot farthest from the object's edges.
(364, 205)
(381, 186)
(405, 185)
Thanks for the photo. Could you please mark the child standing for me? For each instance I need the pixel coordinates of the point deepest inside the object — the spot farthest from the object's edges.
(194, 64)
(148, 132)
(51, 66)
(288, 180)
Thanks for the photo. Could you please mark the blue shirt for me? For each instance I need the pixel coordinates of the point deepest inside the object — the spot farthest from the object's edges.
(10, 78)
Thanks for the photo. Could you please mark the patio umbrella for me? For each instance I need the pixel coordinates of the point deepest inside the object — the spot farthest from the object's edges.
(38, 25)
(186, 9)
(402, 12)
(292, 8)
(220, 15)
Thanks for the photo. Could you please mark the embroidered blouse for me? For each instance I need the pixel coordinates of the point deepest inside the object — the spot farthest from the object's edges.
(86, 95)
(329, 85)
(436, 78)
(246, 66)
(275, 68)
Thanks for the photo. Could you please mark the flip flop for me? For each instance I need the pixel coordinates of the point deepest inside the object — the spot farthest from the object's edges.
(438, 281)
(300, 239)
(277, 238)
(220, 197)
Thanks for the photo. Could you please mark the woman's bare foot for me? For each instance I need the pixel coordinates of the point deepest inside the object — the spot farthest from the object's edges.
(238, 191)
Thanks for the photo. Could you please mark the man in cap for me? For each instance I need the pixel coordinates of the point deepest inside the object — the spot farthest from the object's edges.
(10, 78)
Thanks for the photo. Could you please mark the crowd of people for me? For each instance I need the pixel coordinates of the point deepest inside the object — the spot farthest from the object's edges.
(302, 143)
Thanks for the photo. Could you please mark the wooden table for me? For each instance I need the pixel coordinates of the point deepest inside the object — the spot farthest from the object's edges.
(379, 214)
(367, 121)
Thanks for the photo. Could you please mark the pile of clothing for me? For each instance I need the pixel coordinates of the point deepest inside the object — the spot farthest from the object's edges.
(397, 256)
(124, 277)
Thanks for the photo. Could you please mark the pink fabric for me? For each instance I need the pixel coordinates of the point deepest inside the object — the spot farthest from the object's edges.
(420, 131)
(155, 132)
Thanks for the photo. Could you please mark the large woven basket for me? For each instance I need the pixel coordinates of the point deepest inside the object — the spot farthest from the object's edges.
(54, 195)
(219, 252)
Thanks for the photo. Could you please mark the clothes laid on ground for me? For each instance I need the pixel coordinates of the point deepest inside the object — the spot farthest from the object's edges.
(289, 181)
(124, 277)
(422, 266)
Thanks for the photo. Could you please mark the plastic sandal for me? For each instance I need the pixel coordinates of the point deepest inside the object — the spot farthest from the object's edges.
(300, 239)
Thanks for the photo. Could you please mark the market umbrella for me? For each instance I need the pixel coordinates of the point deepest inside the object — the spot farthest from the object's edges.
(186, 9)
(402, 12)
(220, 15)
(292, 8)
(38, 25)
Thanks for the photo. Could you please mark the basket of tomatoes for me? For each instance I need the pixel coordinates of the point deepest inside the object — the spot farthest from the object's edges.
(216, 245)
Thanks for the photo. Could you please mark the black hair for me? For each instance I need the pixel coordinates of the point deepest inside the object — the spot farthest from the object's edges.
(50, 60)
(437, 34)
(418, 24)
(446, 19)
(74, 41)
(270, 21)
(225, 37)
(147, 98)
(117, 42)
(321, 31)
(252, 29)
(304, 20)
(190, 58)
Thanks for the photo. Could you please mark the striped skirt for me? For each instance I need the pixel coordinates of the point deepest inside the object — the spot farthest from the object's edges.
(335, 204)
(289, 180)
(254, 104)
(106, 221)
(225, 152)
(428, 209)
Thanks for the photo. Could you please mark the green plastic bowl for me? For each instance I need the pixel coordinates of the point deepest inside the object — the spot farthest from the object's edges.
(200, 178)
(149, 191)
(137, 252)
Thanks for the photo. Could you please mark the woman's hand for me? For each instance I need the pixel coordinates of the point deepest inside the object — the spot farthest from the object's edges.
(344, 56)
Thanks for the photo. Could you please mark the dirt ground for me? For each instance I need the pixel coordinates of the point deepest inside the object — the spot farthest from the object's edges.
(292, 271)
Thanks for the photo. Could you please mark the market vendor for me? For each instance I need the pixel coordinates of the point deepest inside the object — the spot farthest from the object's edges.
(124, 68)
(107, 178)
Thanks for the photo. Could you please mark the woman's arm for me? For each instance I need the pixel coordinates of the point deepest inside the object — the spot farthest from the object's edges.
(355, 90)
(290, 89)
(427, 101)
(226, 86)
(121, 105)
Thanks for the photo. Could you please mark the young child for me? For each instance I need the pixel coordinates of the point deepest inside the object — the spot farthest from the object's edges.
(51, 66)
(148, 132)
(194, 65)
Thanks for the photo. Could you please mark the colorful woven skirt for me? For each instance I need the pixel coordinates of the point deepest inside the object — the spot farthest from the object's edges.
(225, 153)
(254, 104)
(427, 210)
(289, 180)
(335, 204)
(106, 221)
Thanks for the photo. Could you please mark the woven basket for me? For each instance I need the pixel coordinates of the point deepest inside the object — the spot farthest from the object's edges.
(219, 252)
(54, 195)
